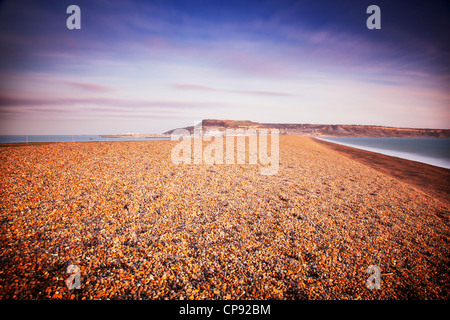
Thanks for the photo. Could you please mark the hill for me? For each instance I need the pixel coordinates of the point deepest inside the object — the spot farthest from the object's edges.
(336, 130)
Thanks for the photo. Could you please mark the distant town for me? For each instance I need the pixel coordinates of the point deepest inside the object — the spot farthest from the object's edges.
(140, 135)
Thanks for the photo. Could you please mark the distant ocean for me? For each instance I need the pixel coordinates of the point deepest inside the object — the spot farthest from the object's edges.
(75, 138)
(427, 150)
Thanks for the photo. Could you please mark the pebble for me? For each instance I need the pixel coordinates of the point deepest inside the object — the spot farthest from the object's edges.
(140, 227)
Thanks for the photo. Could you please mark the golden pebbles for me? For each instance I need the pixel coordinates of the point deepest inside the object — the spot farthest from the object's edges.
(140, 227)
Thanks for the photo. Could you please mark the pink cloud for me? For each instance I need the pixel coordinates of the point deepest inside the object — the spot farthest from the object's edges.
(89, 86)
(8, 101)
(252, 92)
(56, 113)
(84, 109)
(193, 86)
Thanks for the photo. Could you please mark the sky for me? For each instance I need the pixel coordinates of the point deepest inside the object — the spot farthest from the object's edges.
(151, 66)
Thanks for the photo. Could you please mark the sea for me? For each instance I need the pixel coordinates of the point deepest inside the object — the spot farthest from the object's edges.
(70, 138)
(434, 151)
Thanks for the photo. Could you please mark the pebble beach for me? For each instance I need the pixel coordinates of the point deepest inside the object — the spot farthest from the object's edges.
(140, 227)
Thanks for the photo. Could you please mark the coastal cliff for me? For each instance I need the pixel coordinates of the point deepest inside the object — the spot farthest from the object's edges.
(337, 130)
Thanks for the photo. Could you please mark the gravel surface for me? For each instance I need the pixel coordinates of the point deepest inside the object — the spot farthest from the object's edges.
(140, 227)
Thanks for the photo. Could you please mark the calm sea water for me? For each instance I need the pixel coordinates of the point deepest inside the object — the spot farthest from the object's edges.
(83, 138)
(427, 150)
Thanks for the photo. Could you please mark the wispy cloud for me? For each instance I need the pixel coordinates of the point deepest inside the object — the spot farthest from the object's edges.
(8, 101)
(189, 86)
(92, 87)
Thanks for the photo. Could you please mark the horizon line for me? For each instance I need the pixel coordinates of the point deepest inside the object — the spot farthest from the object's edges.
(263, 123)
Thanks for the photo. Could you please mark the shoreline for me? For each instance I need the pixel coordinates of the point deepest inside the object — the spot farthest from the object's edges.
(417, 157)
(428, 178)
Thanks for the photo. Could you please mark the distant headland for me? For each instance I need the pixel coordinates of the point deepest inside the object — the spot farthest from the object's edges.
(336, 130)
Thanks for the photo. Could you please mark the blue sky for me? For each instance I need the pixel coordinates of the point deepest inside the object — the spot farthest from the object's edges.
(150, 66)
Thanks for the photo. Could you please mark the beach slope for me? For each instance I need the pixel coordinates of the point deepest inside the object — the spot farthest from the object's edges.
(139, 226)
